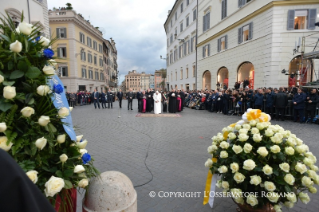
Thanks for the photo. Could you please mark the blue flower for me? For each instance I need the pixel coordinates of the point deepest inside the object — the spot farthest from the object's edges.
(48, 53)
(58, 88)
(37, 38)
(86, 157)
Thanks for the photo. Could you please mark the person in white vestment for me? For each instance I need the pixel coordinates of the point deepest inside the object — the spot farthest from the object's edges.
(157, 103)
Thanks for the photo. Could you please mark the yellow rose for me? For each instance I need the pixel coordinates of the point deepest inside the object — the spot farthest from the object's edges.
(275, 149)
(300, 168)
(289, 179)
(267, 170)
(237, 149)
(223, 154)
(239, 178)
(252, 200)
(285, 167)
(255, 180)
(234, 167)
(249, 165)
(262, 151)
(269, 186)
(312, 190)
(248, 147)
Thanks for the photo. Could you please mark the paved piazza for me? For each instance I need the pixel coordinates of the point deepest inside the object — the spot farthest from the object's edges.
(176, 156)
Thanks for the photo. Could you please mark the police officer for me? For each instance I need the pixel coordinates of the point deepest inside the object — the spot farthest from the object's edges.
(110, 97)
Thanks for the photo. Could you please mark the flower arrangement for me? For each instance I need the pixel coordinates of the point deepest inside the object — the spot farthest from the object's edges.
(32, 129)
(261, 164)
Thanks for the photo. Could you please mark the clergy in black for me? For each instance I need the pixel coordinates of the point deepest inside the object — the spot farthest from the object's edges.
(172, 104)
(149, 100)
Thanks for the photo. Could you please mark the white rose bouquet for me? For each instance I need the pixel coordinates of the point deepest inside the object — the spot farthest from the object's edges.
(31, 128)
(254, 156)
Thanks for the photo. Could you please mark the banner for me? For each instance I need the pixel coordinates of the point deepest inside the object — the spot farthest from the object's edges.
(59, 101)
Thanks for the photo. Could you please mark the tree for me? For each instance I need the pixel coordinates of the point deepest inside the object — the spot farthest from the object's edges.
(69, 6)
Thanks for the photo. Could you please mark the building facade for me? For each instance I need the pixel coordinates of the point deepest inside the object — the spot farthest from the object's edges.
(80, 49)
(152, 81)
(145, 81)
(180, 27)
(34, 11)
(110, 60)
(158, 80)
(254, 40)
(133, 81)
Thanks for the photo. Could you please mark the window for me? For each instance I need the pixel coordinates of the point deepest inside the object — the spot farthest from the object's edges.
(193, 43)
(101, 62)
(61, 32)
(171, 38)
(242, 2)
(82, 38)
(187, 2)
(89, 42)
(90, 74)
(62, 52)
(206, 50)
(180, 48)
(101, 76)
(89, 58)
(182, 7)
(167, 42)
(83, 56)
(171, 58)
(175, 33)
(96, 75)
(206, 21)
(95, 60)
(63, 71)
(245, 33)
(302, 19)
(100, 48)
(95, 45)
(175, 16)
(176, 76)
(222, 43)
(194, 15)
(186, 73)
(182, 74)
(193, 71)
(175, 54)
(83, 73)
(187, 21)
(224, 9)
(181, 27)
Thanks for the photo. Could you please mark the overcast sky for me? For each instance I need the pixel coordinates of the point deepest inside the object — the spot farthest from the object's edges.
(135, 25)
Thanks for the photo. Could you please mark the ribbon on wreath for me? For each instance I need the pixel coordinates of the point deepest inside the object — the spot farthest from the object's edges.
(210, 187)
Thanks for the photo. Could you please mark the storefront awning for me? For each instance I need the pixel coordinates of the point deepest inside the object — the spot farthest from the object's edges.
(311, 55)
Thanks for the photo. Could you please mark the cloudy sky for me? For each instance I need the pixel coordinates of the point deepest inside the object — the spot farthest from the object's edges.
(135, 25)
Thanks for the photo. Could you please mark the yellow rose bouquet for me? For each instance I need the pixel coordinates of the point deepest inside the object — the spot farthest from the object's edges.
(262, 164)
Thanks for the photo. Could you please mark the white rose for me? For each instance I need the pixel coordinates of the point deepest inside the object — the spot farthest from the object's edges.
(285, 167)
(252, 200)
(1, 78)
(249, 164)
(306, 181)
(209, 163)
(224, 129)
(243, 131)
(234, 167)
(229, 129)
(255, 180)
(275, 149)
(243, 137)
(225, 185)
(3, 143)
(63, 158)
(33, 175)
(246, 126)
(277, 208)
(313, 190)
(304, 197)
(219, 184)
(237, 149)
(48, 70)
(308, 161)
(53, 186)
(273, 197)
(247, 148)
(9, 92)
(61, 138)
(267, 170)
(44, 41)
(27, 111)
(301, 168)
(289, 204)
(262, 151)
(232, 136)
(292, 197)
(224, 145)
(289, 150)
(16, 47)
(53, 62)
(302, 148)
(237, 127)
(43, 90)
(311, 157)
(239, 178)
(299, 141)
(253, 123)
(254, 130)
(3, 127)
(44, 120)
(313, 167)
(79, 169)
(223, 154)
(83, 151)
(312, 174)
(289, 179)
(63, 112)
(222, 169)
(41, 143)
(291, 141)
(261, 126)
(82, 144)
(25, 28)
(269, 186)
(79, 138)
(257, 137)
(83, 183)
(277, 138)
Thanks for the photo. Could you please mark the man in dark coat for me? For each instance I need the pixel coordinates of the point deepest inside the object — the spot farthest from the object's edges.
(149, 100)
(182, 93)
(299, 105)
(110, 97)
(120, 96)
(96, 99)
(172, 103)
(246, 83)
(312, 101)
(103, 100)
(139, 100)
(259, 99)
(270, 101)
(129, 97)
(280, 102)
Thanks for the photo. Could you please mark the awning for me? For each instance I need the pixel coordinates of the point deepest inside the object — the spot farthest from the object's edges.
(311, 55)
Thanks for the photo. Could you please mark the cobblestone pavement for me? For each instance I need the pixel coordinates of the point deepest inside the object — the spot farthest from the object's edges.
(176, 157)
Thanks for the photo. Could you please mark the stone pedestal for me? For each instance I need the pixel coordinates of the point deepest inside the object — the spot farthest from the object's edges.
(111, 192)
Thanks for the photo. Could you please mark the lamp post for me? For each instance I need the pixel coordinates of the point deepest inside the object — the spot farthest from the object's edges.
(166, 70)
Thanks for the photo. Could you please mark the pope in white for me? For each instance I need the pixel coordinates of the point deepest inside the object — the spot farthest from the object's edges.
(157, 102)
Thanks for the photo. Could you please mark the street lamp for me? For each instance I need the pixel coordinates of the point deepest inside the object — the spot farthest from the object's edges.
(162, 57)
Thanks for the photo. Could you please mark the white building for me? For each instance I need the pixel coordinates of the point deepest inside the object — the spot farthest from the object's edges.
(33, 10)
(254, 39)
(180, 28)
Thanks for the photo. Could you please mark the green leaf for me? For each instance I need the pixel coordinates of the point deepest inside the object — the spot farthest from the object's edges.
(10, 65)
(59, 173)
(10, 83)
(287, 189)
(30, 102)
(51, 128)
(4, 106)
(16, 74)
(68, 184)
(22, 66)
(6, 38)
(33, 72)
(68, 173)
(33, 149)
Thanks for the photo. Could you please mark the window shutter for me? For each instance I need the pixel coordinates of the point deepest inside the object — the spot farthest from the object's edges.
(192, 41)
(250, 36)
(57, 32)
(312, 14)
(208, 46)
(218, 45)
(240, 3)
(84, 56)
(66, 71)
(291, 20)
(204, 24)
(58, 52)
(80, 37)
(65, 52)
(208, 20)
(226, 41)
(204, 51)
(189, 46)
(223, 8)
(240, 35)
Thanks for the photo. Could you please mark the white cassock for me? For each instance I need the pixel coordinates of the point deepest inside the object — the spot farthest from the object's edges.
(157, 103)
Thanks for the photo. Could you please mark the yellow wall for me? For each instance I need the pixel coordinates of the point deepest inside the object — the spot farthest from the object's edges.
(60, 41)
